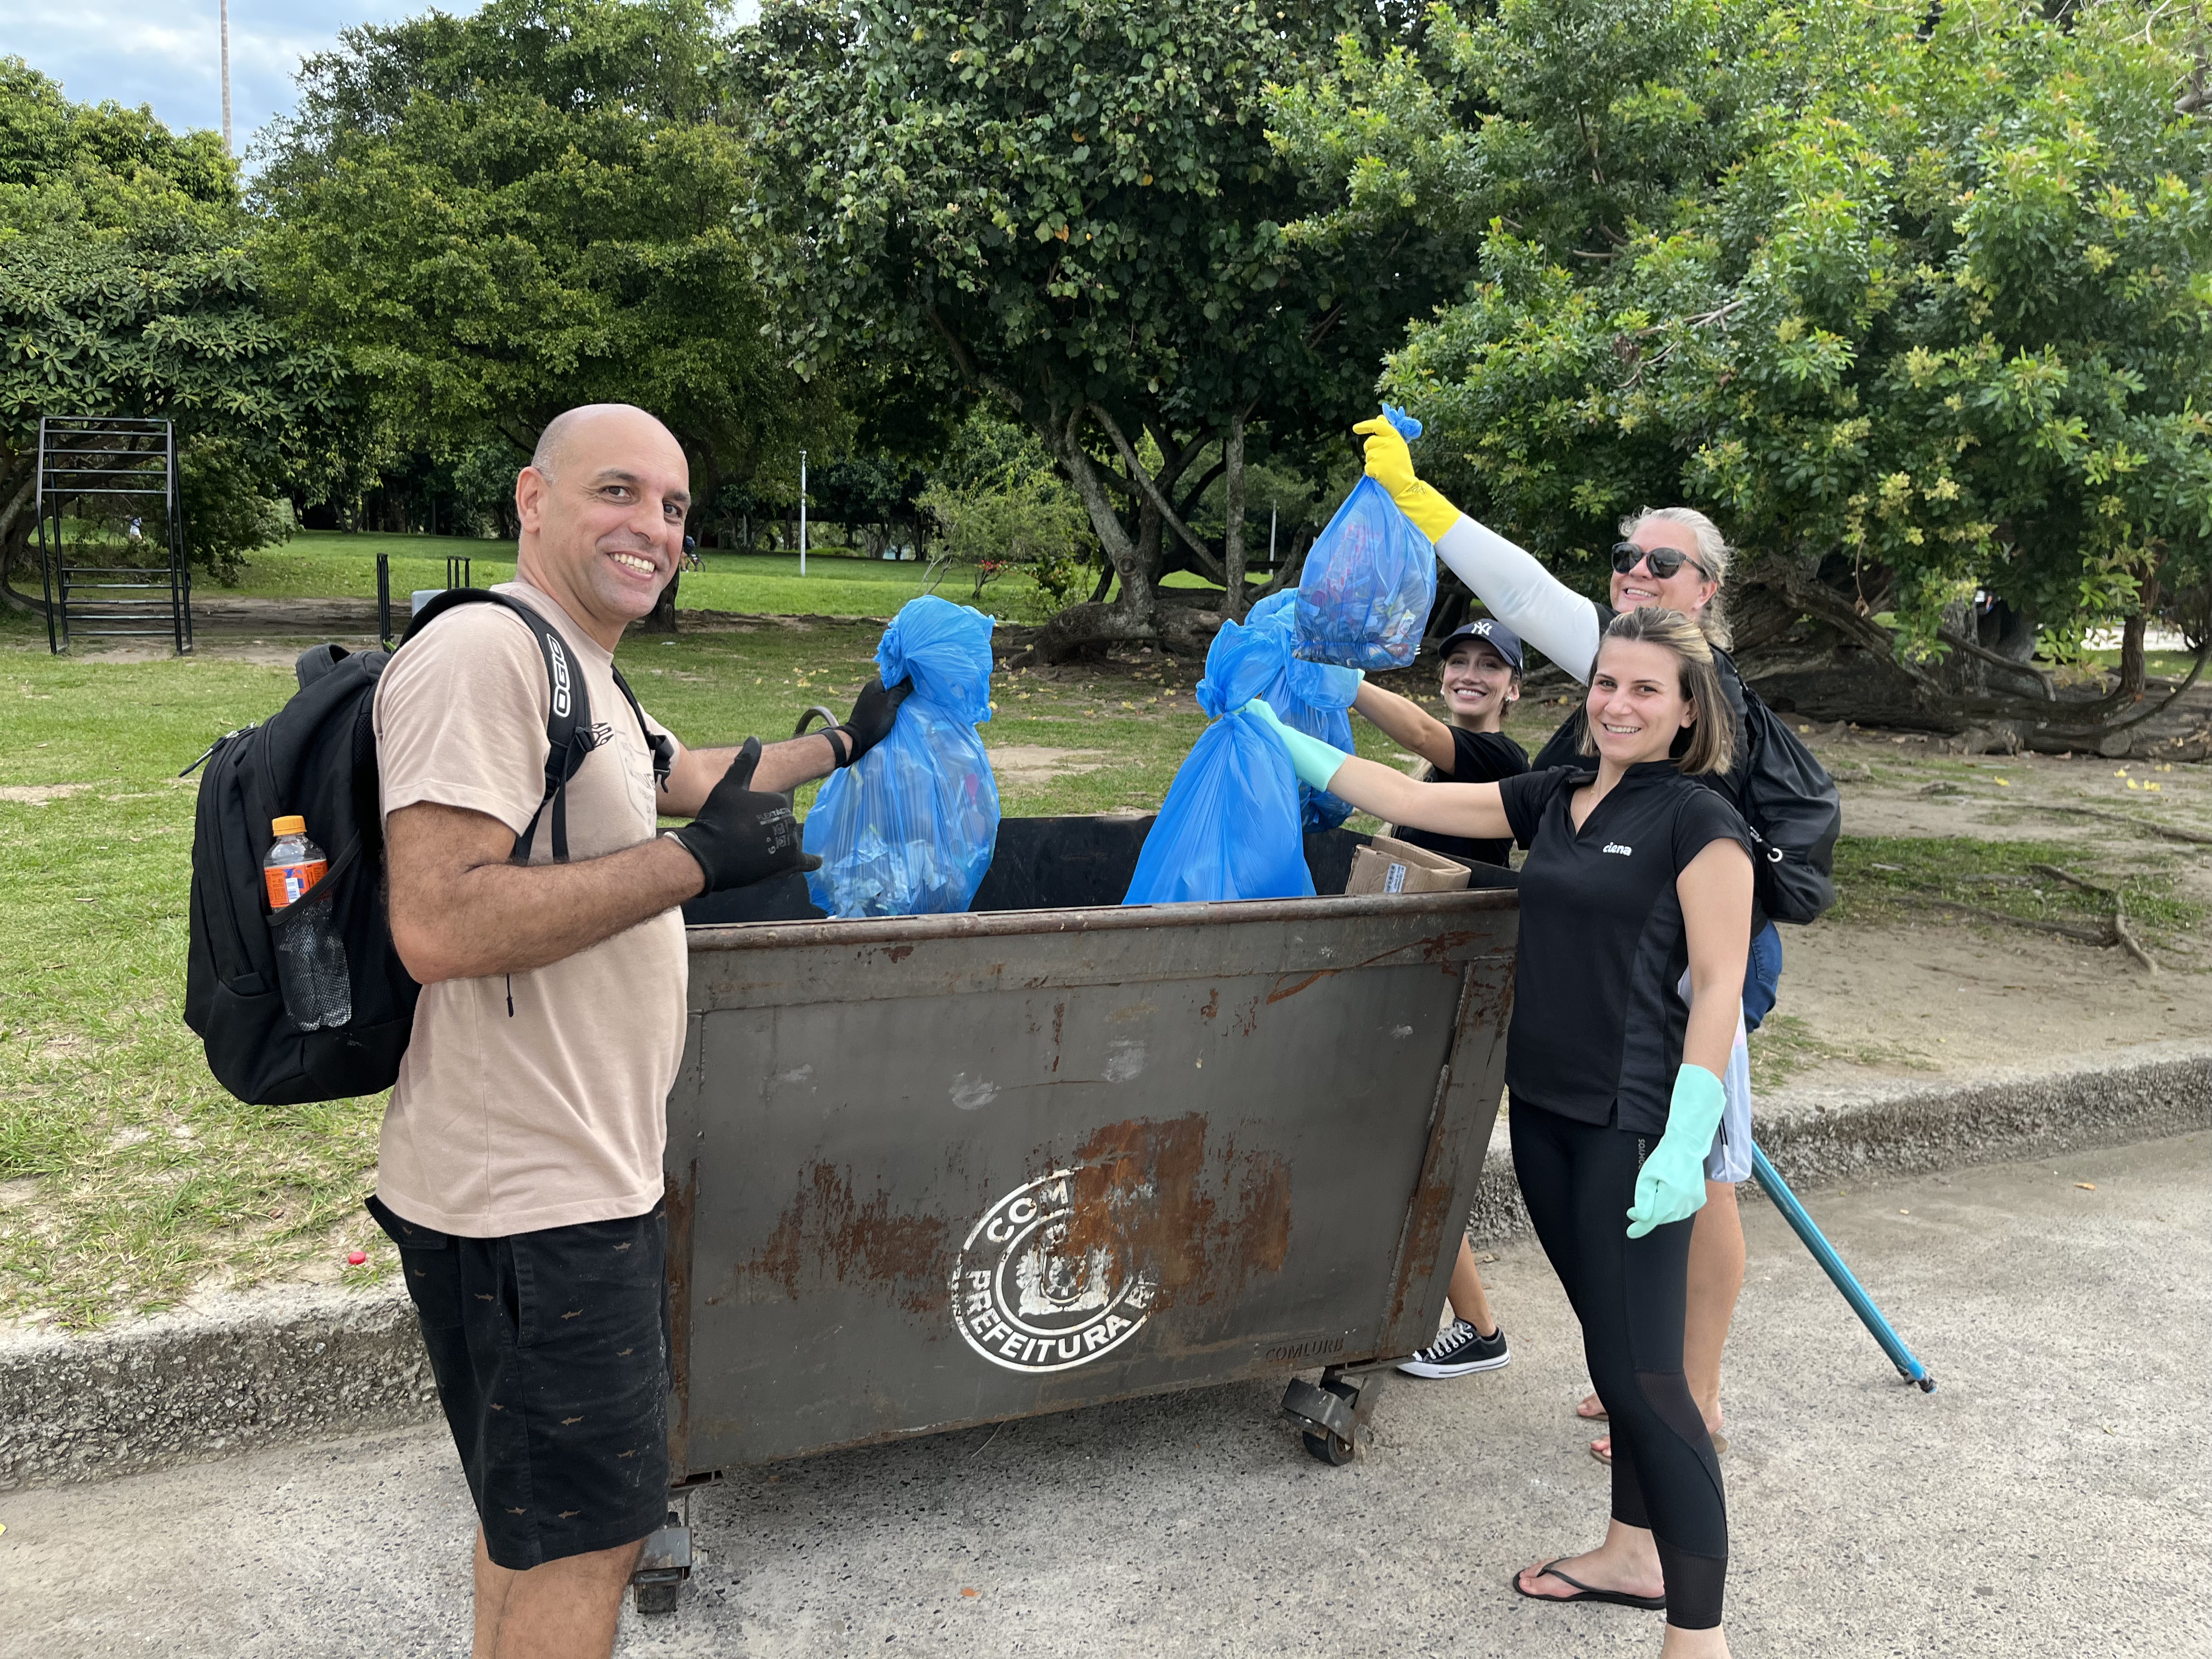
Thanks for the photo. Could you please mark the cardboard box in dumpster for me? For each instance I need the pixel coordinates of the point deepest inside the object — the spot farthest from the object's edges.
(1395, 867)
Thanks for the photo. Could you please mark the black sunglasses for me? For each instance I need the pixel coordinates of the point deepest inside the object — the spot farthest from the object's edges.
(1664, 561)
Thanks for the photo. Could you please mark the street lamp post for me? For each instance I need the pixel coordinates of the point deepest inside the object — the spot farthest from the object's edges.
(802, 512)
(225, 9)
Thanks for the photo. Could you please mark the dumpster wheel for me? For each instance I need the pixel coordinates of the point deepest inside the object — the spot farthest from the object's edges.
(657, 1598)
(1331, 1450)
(664, 1561)
(1331, 1411)
(1335, 1450)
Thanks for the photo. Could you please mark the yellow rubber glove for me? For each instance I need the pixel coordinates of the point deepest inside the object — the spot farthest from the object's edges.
(1390, 464)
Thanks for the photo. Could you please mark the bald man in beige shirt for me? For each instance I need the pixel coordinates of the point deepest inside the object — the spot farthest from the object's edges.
(518, 1169)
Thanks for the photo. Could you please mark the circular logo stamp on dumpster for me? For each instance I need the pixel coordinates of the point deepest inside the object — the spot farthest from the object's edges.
(1043, 1284)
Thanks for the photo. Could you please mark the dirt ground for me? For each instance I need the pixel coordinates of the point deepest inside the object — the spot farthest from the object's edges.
(1942, 994)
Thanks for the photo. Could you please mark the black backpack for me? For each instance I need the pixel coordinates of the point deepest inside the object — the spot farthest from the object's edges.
(316, 756)
(1786, 797)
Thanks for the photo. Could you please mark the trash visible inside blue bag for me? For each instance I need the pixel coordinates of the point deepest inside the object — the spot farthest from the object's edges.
(1312, 697)
(909, 829)
(1369, 580)
(1229, 827)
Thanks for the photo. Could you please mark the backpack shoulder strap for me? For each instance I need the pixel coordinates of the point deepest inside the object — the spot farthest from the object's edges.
(568, 721)
(664, 750)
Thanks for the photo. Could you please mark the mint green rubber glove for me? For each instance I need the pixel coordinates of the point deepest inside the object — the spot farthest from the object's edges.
(1671, 1186)
(1315, 762)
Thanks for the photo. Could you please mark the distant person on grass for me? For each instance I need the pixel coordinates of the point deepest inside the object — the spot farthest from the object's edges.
(1479, 671)
(520, 1167)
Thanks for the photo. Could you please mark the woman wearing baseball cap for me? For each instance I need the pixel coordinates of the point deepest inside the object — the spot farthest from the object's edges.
(1479, 671)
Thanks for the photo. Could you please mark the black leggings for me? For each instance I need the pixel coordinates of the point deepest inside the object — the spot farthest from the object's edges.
(1579, 1179)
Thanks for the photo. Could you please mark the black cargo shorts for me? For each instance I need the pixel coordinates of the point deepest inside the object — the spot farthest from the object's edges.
(551, 1354)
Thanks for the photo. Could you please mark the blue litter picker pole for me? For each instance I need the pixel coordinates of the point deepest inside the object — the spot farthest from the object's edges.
(1825, 1253)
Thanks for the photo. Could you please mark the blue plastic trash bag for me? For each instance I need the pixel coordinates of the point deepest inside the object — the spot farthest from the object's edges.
(1312, 697)
(1229, 829)
(1371, 580)
(909, 828)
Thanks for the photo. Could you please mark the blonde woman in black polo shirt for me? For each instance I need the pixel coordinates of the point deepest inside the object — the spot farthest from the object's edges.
(1635, 873)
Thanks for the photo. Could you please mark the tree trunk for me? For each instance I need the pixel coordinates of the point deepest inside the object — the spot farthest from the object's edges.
(2132, 674)
(1803, 646)
(1232, 536)
(1292, 565)
(662, 618)
(1134, 613)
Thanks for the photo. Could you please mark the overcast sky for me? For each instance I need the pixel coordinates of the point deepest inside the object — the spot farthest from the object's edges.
(167, 53)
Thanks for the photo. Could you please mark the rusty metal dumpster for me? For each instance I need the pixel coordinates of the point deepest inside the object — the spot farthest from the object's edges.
(934, 1171)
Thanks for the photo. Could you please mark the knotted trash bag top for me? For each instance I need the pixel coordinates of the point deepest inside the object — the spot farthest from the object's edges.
(1229, 829)
(909, 829)
(1370, 581)
(1312, 697)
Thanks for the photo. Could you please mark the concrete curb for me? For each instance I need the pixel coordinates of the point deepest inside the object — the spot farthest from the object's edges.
(231, 1373)
(1908, 1127)
(241, 1371)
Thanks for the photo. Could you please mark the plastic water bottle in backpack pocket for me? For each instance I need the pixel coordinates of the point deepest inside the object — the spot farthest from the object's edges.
(910, 828)
(1229, 827)
(1369, 580)
(311, 956)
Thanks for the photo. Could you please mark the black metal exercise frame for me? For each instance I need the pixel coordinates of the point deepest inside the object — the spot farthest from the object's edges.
(457, 575)
(81, 455)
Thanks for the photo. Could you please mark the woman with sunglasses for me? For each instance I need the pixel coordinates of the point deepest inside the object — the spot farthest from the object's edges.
(1676, 557)
(1637, 883)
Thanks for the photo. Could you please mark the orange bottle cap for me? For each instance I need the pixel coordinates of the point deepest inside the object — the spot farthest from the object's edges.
(290, 826)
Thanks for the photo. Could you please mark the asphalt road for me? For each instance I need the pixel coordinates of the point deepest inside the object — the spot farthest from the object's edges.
(2050, 1499)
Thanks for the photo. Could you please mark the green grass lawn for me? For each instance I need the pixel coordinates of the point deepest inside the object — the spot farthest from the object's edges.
(1880, 877)
(128, 1176)
(329, 564)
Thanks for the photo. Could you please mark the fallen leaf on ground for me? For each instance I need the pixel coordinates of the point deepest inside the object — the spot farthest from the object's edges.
(2086, 1186)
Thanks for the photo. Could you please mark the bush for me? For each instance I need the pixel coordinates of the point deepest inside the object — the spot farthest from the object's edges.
(1019, 516)
(225, 514)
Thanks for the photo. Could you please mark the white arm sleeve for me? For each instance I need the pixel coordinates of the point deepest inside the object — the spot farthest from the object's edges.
(1523, 595)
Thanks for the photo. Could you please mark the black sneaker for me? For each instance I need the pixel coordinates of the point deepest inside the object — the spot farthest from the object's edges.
(1459, 1352)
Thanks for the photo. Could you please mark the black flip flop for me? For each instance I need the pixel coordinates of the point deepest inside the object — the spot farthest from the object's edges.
(1586, 1593)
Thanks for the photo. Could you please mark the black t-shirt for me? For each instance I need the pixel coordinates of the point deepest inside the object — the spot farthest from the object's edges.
(1477, 757)
(1564, 746)
(1597, 1027)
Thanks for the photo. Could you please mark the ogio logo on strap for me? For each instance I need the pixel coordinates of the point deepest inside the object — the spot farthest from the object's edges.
(560, 661)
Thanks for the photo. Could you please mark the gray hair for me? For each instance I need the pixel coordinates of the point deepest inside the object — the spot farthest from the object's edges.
(1712, 557)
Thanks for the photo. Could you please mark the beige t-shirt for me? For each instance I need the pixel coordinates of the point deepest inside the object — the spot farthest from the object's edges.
(554, 1113)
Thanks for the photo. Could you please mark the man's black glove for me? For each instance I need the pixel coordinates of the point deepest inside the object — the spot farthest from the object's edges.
(873, 713)
(743, 835)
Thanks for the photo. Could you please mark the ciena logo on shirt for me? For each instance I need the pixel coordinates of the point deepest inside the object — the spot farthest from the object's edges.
(1615, 846)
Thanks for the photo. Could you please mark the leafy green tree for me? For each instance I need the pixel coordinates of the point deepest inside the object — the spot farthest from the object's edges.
(541, 204)
(1916, 312)
(126, 288)
(1074, 204)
